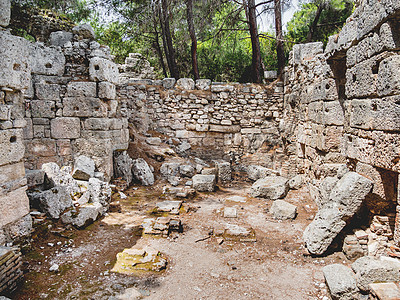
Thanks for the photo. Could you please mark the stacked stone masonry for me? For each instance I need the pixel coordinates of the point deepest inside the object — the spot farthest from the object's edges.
(216, 119)
(10, 269)
(342, 104)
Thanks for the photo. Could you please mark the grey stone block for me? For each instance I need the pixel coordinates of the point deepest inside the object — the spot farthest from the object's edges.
(60, 38)
(34, 177)
(84, 107)
(185, 83)
(43, 109)
(203, 84)
(255, 172)
(369, 270)
(83, 215)
(271, 187)
(101, 69)
(53, 202)
(168, 83)
(46, 60)
(142, 171)
(107, 91)
(11, 146)
(83, 168)
(123, 166)
(46, 91)
(84, 31)
(388, 76)
(341, 282)
(204, 183)
(65, 128)
(283, 210)
(14, 62)
(81, 89)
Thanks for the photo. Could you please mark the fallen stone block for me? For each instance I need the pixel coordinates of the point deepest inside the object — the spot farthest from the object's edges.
(255, 172)
(170, 171)
(83, 215)
(83, 168)
(341, 282)
(204, 183)
(370, 270)
(53, 202)
(168, 206)
(233, 232)
(132, 260)
(271, 187)
(344, 201)
(34, 177)
(142, 171)
(187, 170)
(283, 210)
(54, 176)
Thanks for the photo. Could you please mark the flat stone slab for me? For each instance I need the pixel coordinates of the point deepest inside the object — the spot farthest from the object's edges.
(168, 206)
(230, 212)
(236, 199)
(385, 290)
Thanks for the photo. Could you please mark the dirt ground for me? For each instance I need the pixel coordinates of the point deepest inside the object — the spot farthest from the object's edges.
(199, 267)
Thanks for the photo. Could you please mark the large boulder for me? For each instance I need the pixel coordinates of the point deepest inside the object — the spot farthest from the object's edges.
(204, 183)
(223, 171)
(271, 187)
(53, 201)
(283, 210)
(344, 201)
(369, 270)
(83, 168)
(54, 176)
(341, 282)
(142, 171)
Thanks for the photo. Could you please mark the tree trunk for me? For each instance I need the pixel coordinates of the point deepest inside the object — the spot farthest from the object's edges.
(167, 37)
(255, 42)
(313, 27)
(193, 38)
(279, 38)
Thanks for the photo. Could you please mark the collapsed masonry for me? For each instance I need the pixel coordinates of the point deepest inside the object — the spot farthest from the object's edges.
(335, 121)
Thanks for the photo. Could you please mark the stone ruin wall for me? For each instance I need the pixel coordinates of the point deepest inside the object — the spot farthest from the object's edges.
(56, 103)
(218, 120)
(342, 104)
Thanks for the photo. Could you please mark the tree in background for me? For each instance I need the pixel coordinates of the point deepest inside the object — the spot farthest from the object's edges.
(319, 19)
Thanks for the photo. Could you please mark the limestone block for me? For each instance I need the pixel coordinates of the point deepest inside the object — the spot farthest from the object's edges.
(325, 90)
(65, 128)
(283, 210)
(168, 83)
(296, 182)
(204, 183)
(20, 229)
(11, 146)
(81, 89)
(142, 171)
(306, 52)
(101, 69)
(341, 282)
(388, 76)
(12, 172)
(375, 114)
(84, 107)
(14, 62)
(5, 112)
(344, 201)
(371, 14)
(315, 112)
(60, 38)
(187, 170)
(369, 270)
(97, 124)
(83, 215)
(13, 206)
(185, 83)
(53, 201)
(43, 109)
(46, 60)
(203, 84)
(34, 177)
(46, 91)
(224, 129)
(361, 79)
(389, 35)
(84, 31)
(271, 187)
(5, 12)
(107, 91)
(83, 168)
(222, 88)
(333, 113)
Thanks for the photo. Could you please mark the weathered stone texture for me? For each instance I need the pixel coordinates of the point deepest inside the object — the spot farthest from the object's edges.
(5, 12)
